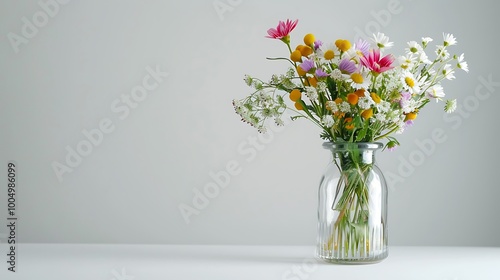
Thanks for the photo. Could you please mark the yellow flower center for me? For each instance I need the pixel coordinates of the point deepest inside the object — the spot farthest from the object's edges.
(411, 116)
(357, 78)
(375, 97)
(366, 114)
(410, 82)
(329, 54)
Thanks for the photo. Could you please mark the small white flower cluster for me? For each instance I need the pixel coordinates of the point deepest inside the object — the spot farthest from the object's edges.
(260, 106)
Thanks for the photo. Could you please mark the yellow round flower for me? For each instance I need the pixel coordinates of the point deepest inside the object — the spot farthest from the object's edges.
(312, 81)
(300, 71)
(309, 39)
(295, 95)
(298, 106)
(343, 45)
(306, 50)
(296, 56)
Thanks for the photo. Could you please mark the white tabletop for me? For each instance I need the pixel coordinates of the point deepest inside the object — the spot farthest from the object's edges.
(145, 262)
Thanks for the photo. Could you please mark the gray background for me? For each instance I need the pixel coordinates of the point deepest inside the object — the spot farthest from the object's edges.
(130, 186)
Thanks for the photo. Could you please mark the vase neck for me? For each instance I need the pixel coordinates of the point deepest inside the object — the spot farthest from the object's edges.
(353, 153)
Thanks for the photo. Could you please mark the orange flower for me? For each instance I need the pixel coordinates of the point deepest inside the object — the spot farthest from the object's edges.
(300, 71)
(348, 124)
(296, 56)
(360, 92)
(306, 50)
(352, 98)
(295, 95)
(298, 106)
(312, 81)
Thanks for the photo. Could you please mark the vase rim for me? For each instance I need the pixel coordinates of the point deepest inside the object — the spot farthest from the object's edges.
(359, 145)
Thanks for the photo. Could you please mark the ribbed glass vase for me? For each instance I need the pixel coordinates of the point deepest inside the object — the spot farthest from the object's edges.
(352, 209)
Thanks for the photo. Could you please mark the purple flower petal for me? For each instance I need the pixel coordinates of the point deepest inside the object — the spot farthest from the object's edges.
(320, 73)
(307, 65)
(317, 44)
(347, 67)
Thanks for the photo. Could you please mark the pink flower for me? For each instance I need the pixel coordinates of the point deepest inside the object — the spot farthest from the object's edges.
(282, 30)
(375, 64)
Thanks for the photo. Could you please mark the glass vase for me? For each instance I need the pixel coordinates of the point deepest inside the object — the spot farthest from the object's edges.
(352, 208)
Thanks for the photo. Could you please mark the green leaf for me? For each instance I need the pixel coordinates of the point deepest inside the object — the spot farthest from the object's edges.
(332, 87)
(362, 132)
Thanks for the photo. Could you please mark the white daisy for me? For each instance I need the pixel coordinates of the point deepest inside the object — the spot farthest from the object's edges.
(407, 61)
(409, 82)
(328, 53)
(450, 106)
(448, 72)
(449, 39)
(442, 52)
(462, 64)
(436, 92)
(359, 80)
(382, 41)
(425, 41)
(424, 58)
(413, 47)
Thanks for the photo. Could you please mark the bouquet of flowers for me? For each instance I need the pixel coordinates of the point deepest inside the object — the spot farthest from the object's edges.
(357, 94)
(353, 92)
